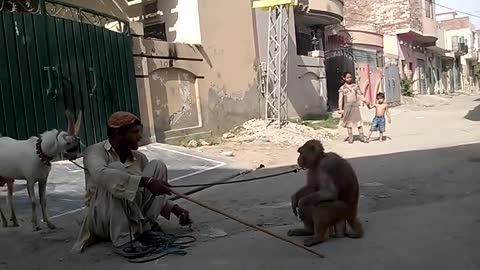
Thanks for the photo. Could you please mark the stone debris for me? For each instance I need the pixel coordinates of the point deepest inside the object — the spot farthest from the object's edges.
(204, 143)
(227, 154)
(228, 135)
(192, 144)
(268, 132)
(214, 233)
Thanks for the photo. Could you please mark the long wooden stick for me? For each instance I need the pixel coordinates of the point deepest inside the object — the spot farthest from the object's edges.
(247, 224)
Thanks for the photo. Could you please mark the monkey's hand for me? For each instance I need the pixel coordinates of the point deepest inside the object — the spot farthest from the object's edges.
(294, 205)
(301, 214)
(318, 197)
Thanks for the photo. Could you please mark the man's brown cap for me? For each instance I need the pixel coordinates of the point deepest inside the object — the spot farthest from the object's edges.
(120, 119)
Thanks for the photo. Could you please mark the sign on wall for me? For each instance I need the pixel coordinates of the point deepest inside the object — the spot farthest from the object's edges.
(272, 3)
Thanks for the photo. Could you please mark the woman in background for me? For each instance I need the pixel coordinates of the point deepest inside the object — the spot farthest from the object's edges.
(349, 101)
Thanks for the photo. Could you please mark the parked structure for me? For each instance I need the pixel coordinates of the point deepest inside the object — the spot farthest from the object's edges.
(463, 41)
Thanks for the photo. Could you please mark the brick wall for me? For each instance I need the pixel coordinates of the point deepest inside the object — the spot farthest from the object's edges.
(416, 15)
(457, 23)
(391, 15)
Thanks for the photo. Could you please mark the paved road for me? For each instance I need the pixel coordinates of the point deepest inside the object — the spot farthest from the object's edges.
(420, 204)
(419, 200)
(66, 185)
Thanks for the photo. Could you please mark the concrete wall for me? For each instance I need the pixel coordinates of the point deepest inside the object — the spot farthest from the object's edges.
(327, 7)
(446, 16)
(441, 39)
(193, 89)
(390, 45)
(429, 26)
(216, 88)
(366, 38)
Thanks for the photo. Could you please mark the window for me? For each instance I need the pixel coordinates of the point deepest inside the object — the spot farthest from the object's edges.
(308, 39)
(429, 8)
(156, 30)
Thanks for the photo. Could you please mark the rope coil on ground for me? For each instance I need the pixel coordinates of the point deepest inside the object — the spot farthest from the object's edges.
(154, 245)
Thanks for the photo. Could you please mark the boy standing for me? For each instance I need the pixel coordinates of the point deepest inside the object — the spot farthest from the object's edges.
(378, 122)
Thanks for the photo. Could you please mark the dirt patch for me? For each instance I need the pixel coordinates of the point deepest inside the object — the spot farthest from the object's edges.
(257, 130)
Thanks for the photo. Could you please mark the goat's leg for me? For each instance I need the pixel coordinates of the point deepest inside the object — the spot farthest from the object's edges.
(42, 187)
(31, 194)
(4, 220)
(10, 204)
(2, 216)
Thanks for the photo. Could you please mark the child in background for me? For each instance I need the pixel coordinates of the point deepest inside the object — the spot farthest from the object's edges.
(378, 122)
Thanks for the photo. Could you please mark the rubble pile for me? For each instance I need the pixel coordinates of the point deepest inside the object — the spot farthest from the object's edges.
(268, 132)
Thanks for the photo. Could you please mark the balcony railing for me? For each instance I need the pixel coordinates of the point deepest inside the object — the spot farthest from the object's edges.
(459, 45)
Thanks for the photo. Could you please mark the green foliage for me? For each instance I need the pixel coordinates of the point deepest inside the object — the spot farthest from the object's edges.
(320, 121)
(406, 85)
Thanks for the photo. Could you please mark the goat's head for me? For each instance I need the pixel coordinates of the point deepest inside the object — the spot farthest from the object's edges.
(69, 141)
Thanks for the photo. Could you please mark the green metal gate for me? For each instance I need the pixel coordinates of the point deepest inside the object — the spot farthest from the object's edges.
(55, 57)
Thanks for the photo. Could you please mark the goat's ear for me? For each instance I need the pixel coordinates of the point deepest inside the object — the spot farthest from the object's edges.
(78, 124)
(71, 123)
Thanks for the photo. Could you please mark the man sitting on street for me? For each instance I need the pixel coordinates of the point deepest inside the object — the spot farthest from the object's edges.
(125, 193)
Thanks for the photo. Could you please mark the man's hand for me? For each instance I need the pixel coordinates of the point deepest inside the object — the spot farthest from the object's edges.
(183, 215)
(389, 120)
(158, 187)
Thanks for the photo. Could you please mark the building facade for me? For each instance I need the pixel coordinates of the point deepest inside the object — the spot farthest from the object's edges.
(199, 73)
(307, 83)
(409, 34)
(462, 40)
(196, 74)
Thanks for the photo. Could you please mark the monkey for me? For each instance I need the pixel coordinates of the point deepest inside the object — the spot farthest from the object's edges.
(329, 200)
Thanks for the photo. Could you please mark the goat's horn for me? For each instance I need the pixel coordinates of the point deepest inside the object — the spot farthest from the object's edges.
(78, 123)
(71, 124)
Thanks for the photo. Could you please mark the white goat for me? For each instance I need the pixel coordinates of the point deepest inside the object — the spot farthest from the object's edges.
(30, 160)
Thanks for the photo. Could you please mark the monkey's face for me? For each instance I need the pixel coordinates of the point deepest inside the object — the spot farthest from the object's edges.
(310, 154)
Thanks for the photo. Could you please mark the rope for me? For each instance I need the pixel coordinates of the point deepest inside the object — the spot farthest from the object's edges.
(223, 183)
(238, 181)
(154, 245)
(248, 224)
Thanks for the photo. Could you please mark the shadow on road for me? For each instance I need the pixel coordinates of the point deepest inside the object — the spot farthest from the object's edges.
(388, 181)
(474, 114)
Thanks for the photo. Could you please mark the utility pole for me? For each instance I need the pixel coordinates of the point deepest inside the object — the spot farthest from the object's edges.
(276, 98)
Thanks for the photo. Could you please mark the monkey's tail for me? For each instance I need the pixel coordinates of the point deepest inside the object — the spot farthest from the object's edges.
(356, 226)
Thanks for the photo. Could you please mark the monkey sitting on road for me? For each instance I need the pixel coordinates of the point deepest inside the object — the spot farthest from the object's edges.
(330, 197)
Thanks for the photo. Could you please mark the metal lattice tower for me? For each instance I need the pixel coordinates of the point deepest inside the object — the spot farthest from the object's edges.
(277, 64)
